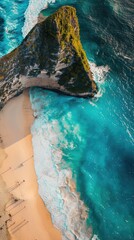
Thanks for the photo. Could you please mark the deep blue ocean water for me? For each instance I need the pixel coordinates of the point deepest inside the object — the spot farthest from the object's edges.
(97, 136)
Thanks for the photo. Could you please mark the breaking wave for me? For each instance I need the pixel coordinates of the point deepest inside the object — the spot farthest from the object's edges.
(56, 185)
(32, 12)
(99, 74)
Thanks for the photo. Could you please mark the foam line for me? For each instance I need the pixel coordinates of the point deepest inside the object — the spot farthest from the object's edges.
(56, 187)
(32, 12)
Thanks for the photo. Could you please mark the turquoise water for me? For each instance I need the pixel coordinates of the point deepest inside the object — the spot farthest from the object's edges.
(96, 136)
(11, 23)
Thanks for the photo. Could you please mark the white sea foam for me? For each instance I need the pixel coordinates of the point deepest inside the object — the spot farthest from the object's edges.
(95, 237)
(32, 12)
(99, 72)
(99, 93)
(56, 187)
(55, 184)
(99, 75)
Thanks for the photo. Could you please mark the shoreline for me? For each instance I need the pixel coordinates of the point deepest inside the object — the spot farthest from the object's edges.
(24, 214)
(52, 170)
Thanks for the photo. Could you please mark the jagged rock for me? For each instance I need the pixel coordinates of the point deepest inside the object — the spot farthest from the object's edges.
(51, 56)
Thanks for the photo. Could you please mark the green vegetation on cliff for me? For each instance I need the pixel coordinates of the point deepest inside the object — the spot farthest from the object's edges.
(50, 56)
(68, 32)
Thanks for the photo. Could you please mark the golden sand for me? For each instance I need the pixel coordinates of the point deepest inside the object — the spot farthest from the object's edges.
(23, 215)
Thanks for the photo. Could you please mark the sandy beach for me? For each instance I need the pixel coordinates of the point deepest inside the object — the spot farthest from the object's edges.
(23, 215)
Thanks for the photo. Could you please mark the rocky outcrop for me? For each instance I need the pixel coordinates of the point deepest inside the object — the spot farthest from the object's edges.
(51, 56)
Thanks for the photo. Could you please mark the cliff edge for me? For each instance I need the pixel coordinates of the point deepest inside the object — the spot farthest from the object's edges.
(51, 56)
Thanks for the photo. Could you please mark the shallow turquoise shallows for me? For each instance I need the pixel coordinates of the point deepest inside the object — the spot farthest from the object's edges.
(97, 136)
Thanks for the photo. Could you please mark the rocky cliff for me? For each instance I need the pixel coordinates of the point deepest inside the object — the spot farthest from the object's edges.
(51, 56)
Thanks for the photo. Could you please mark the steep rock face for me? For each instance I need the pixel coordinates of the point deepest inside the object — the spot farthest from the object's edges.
(51, 56)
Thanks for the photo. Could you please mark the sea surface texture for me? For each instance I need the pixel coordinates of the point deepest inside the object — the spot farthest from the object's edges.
(83, 141)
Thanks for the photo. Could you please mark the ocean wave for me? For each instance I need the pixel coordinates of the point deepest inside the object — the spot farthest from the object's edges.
(56, 185)
(99, 75)
(11, 24)
(32, 12)
(99, 72)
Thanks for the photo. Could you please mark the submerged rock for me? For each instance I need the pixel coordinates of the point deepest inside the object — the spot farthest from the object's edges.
(51, 56)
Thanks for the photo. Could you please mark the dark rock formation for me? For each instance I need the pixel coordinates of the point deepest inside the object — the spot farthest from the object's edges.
(51, 56)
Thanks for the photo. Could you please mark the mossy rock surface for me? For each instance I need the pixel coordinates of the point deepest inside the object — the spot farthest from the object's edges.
(53, 46)
(64, 26)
